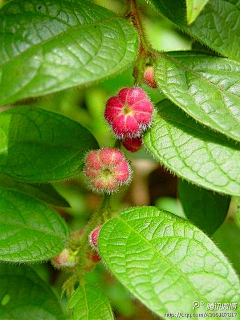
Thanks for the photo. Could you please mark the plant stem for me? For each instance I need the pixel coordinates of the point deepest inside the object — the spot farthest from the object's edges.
(97, 218)
(144, 47)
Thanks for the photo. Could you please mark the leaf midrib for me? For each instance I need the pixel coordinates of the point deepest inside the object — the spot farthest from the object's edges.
(85, 301)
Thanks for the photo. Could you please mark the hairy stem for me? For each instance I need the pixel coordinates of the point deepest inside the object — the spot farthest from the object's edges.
(145, 51)
(97, 218)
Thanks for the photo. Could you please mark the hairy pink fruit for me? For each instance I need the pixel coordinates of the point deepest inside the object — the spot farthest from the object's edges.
(65, 259)
(93, 237)
(132, 144)
(129, 113)
(149, 77)
(106, 169)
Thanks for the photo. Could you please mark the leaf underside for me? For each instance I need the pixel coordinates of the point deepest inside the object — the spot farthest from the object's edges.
(194, 7)
(204, 208)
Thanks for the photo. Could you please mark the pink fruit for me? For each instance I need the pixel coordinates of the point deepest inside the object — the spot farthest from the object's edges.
(106, 169)
(149, 77)
(132, 144)
(129, 113)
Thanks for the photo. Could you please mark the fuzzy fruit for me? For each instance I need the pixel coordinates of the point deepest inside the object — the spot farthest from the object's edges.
(149, 77)
(106, 169)
(93, 237)
(65, 259)
(132, 144)
(129, 113)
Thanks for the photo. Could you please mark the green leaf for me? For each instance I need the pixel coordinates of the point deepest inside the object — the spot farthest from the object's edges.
(40, 146)
(204, 86)
(170, 204)
(236, 210)
(166, 262)
(50, 46)
(89, 303)
(194, 152)
(194, 7)
(205, 209)
(24, 295)
(227, 238)
(43, 192)
(29, 229)
(217, 26)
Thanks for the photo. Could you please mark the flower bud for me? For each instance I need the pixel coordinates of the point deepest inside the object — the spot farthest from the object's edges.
(93, 237)
(149, 77)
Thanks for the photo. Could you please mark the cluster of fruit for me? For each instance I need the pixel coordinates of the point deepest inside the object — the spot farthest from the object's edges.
(129, 114)
(68, 258)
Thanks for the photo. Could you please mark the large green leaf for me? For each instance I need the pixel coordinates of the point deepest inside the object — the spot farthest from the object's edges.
(217, 26)
(166, 262)
(204, 86)
(89, 303)
(29, 229)
(194, 152)
(43, 192)
(205, 209)
(41, 146)
(49, 46)
(194, 7)
(25, 296)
